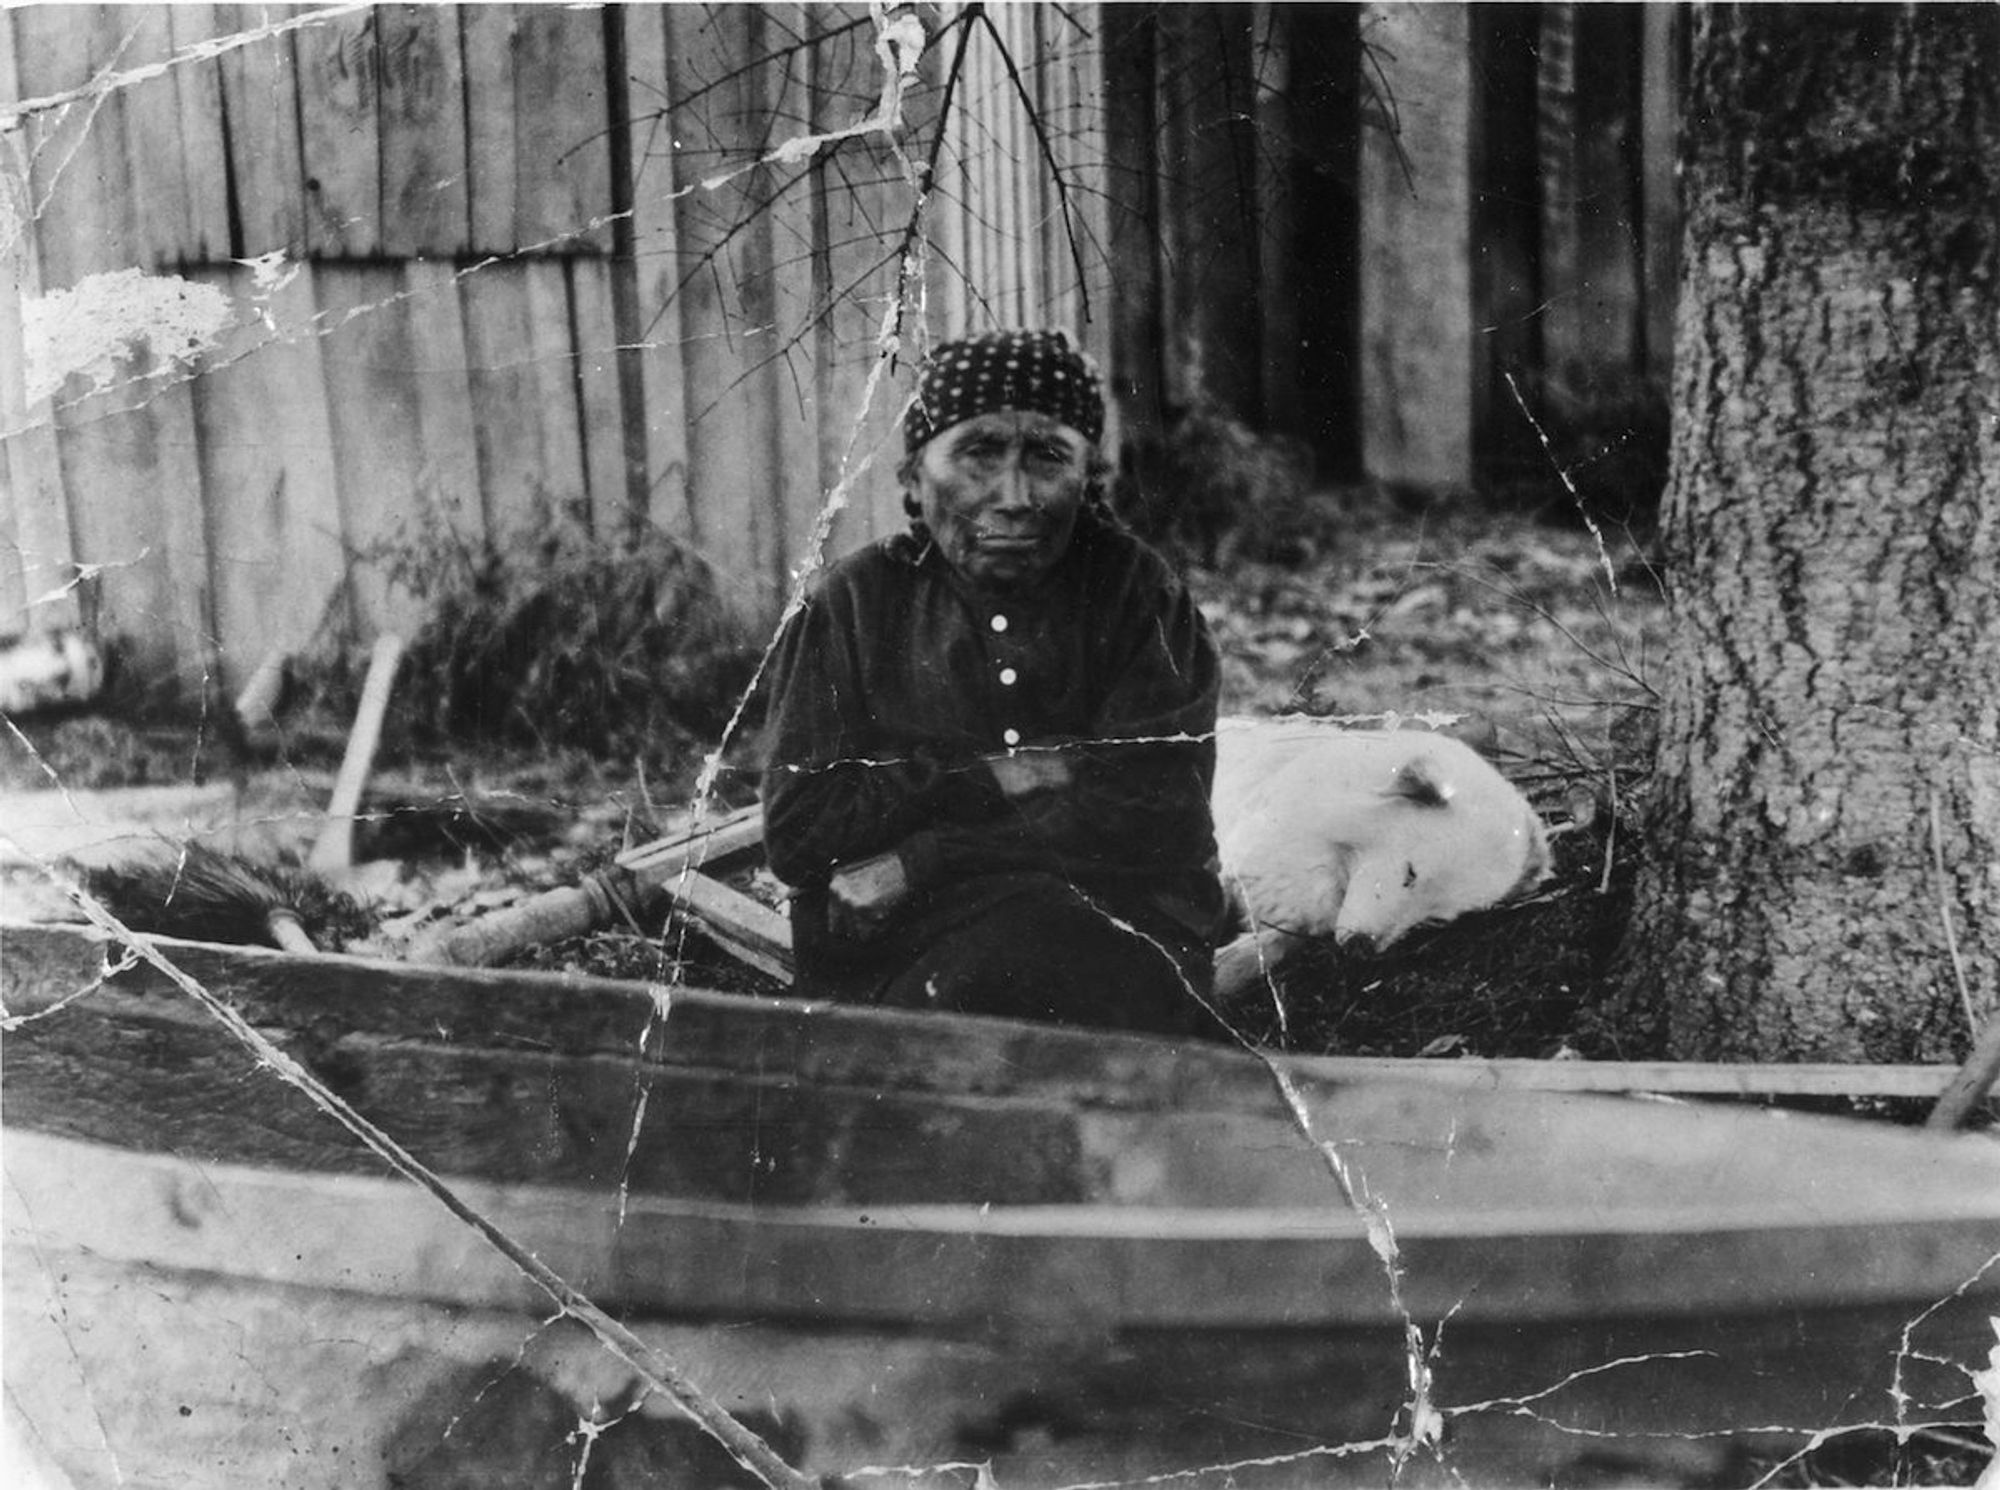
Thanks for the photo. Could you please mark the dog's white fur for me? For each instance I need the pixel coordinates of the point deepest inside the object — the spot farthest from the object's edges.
(1325, 831)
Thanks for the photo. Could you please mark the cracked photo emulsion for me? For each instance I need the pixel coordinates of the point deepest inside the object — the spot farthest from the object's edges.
(1016, 746)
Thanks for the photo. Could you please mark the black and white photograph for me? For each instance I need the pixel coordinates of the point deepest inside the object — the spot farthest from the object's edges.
(1000, 746)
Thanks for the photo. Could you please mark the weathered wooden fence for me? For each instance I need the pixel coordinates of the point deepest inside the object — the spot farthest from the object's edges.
(490, 268)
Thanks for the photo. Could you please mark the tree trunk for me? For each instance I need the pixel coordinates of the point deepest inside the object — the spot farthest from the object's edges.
(1823, 869)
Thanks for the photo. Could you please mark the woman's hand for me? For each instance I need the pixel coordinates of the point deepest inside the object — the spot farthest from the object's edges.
(862, 896)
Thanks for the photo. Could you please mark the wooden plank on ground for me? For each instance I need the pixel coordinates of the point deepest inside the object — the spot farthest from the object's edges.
(655, 329)
(204, 151)
(488, 33)
(440, 377)
(500, 350)
(268, 471)
(378, 444)
(747, 929)
(1417, 320)
(260, 91)
(600, 399)
(339, 138)
(1664, 1078)
(562, 154)
(421, 116)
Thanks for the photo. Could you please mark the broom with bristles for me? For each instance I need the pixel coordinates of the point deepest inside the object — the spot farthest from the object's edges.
(201, 894)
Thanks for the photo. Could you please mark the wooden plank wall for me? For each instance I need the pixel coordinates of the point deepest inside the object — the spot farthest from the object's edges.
(498, 266)
(491, 267)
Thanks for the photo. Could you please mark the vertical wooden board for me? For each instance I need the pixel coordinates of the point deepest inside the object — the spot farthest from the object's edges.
(948, 235)
(80, 174)
(507, 427)
(656, 270)
(1608, 190)
(181, 533)
(28, 475)
(986, 148)
(14, 618)
(339, 138)
(108, 459)
(864, 203)
(1133, 319)
(487, 34)
(447, 474)
(421, 116)
(378, 445)
(107, 441)
(730, 464)
(1274, 224)
(1565, 333)
(1416, 280)
(135, 496)
(562, 158)
(1061, 274)
(1220, 282)
(793, 391)
(1085, 59)
(17, 484)
(1176, 203)
(601, 405)
(260, 95)
(277, 553)
(1025, 173)
(163, 206)
(35, 546)
(204, 151)
(1659, 117)
(552, 368)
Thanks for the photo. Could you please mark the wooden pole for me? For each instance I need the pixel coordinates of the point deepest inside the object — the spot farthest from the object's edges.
(1973, 1081)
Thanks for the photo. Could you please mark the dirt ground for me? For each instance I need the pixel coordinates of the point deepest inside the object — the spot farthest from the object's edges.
(1535, 638)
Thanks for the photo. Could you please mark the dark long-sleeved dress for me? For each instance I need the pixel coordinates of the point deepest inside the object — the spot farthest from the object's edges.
(893, 682)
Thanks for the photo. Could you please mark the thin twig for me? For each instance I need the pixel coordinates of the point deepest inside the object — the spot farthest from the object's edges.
(1944, 915)
(913, 229)
(1048, 158)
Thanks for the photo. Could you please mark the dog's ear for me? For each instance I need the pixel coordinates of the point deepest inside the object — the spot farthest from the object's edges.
(1418, 780)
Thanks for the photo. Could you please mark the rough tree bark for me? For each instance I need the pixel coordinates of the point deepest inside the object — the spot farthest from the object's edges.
(1824, 873)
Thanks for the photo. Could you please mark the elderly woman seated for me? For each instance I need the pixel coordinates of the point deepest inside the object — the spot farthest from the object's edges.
(992, 736)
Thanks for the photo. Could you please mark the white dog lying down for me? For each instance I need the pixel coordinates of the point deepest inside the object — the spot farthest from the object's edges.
(1335, 832)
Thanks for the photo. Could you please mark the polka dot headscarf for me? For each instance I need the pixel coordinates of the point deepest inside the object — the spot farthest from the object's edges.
(1034, 370)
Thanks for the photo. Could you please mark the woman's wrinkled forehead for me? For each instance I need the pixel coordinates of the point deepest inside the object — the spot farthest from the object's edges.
(1033, 371)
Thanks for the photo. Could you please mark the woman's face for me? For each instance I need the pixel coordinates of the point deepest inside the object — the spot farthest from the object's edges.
(1000, 493)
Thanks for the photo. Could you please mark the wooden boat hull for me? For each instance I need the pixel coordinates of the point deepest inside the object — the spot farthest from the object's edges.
(900, 1240)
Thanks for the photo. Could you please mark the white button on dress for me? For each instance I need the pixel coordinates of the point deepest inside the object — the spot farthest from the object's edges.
(1011, 736)
(998, 623)
(1008, 677)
